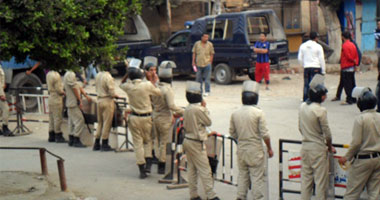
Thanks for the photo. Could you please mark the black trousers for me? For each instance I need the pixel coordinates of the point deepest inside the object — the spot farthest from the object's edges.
(378, 95)
(308, 75)
(346, 82)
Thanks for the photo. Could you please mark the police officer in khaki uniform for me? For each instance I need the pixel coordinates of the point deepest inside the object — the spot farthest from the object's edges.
(4, 108)
(364, 151)
(196, 119)
(248, 126)
(56, 93)
(105, 88)
(164, 107)
(316, 141)
(74, 105)
(140, 121)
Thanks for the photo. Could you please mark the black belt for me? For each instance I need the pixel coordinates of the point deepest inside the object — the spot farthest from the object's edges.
(200, 141)
(142, 115)
(368, 156)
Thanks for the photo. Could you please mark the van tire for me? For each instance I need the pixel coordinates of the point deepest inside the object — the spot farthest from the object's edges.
(251, 74)
(23, 80)
(222, 74)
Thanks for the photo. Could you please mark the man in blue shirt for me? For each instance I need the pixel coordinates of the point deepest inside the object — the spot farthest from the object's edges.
(262, 61)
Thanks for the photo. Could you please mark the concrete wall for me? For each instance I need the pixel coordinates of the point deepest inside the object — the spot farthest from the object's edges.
(155, 19)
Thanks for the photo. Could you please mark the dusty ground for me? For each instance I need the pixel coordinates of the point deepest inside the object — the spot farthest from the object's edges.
(113, 176)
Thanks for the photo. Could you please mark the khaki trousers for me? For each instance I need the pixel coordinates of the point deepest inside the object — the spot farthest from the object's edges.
(105, 112)
(4, 109)
(315, 168)
(198, 165)
(251, 170)
(363, 173)
(55, 117)
(141, 129)
(162, 126)
(76, 121)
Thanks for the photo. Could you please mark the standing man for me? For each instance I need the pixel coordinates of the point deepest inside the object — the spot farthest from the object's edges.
(140, 121)
(74, 106)
(196, 119)
(316, 141)
(56, 93)
(311, 57)
(377, 37)
(203, 55)
(105, 88)
(340, 86)
(151, 72)
(348, 60)
(248, 126)
(164, 107)
(90, 71)
(4, 108)
(364, 151)
(262, 60)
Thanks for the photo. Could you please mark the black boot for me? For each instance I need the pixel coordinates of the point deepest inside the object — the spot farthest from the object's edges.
(215, 198)
(96, 145)
(161, 168)
(7, 132)
(59, 138)
(142, 171)
(105, 146)
(71, 140)
(78, 143)
(51, 136)
(148, 165)
(196, 198)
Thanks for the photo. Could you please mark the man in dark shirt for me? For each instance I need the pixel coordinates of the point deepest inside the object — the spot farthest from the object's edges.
(262, 60)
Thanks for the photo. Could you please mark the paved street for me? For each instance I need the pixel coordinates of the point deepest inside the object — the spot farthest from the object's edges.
(113, 176)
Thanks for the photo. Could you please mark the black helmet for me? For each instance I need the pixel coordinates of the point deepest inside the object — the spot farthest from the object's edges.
(315, 94)
(366, 101)
(250, 98)
(135, 73)
(193, 97)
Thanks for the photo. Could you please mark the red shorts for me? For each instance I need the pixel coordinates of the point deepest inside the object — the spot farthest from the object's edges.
(262, 69)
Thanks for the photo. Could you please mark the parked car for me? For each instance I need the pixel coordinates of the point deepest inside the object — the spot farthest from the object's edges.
(233, 36)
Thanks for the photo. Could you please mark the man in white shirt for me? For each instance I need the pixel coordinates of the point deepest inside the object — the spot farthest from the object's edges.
(311, 57)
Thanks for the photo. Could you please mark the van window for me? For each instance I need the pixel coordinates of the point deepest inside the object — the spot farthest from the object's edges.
(257, 25)
(130, 27)
(220, 29)
(179, 40)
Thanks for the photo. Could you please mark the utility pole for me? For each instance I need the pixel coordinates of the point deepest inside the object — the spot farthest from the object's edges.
(169, 17)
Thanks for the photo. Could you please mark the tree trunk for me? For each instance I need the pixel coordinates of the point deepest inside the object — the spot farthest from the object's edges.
(333, 31)
(169, 17)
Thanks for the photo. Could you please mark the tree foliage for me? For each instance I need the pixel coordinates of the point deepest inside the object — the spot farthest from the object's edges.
(63, 34)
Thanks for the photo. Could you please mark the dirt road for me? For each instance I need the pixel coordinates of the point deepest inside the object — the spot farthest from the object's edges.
(113, 176)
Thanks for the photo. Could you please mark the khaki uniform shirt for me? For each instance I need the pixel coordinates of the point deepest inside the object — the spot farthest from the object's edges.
(203, 53)
(196, 119)
(139, 93)
(2, 81)
(164, 104)
(97, 80)
(105, 85)
(55, 87)
(70, 82)
(314, 126)
(365, 134)
(248, 126)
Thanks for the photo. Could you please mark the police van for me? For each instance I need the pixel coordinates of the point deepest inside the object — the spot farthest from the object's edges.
(233, 36)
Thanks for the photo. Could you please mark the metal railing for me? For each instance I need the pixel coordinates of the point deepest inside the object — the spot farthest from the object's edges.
(43, 161)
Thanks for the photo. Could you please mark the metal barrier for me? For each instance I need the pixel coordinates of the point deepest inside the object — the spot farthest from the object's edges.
(282, 180)
(44, 169)
(220, 149)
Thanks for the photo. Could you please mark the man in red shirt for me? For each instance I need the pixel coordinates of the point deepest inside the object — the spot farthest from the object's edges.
(348, 60)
